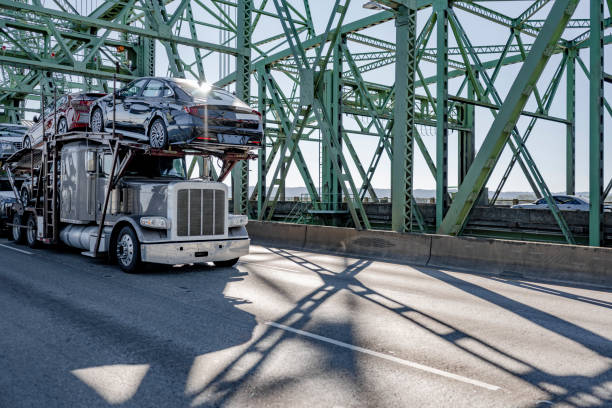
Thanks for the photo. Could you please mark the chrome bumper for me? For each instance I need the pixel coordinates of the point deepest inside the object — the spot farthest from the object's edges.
(194, 252)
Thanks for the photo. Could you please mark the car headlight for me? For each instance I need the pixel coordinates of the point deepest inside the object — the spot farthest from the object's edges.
(6, 146)
(237, 220)
(155, 222)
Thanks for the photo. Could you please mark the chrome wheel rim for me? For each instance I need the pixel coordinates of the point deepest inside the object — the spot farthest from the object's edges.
(62, 127)
(96, 121)
(157, 135)
(125, 250)
(31, 231)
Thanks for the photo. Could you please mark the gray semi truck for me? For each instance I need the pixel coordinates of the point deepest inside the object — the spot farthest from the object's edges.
(119, 198)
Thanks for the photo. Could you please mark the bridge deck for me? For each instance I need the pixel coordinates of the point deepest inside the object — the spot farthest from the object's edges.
(294, 328)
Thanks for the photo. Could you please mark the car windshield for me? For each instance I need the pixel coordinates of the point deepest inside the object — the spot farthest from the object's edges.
(155, 166)
(565, 200)
(205, 91)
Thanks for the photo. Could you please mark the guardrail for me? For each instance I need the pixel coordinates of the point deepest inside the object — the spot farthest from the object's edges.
(558, 262)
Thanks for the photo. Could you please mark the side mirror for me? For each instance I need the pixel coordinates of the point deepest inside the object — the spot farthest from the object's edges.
(90, 161)
(36, 118)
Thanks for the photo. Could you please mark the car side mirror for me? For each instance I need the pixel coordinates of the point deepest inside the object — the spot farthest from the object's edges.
(36, 118)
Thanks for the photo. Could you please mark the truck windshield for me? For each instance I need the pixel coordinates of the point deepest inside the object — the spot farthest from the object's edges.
(153, 166)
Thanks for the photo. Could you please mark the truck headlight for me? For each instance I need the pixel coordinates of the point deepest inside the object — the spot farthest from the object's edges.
(237, 220)
(155, 222)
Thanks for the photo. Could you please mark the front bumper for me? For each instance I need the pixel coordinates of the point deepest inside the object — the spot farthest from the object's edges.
(174, 253)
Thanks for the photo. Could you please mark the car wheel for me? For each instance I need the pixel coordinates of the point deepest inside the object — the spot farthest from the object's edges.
(27, 143)
(62, 126)
(30, 234)
(158, 135)
(127, 250)
(226, 264)
(97, 121)
(17, 232)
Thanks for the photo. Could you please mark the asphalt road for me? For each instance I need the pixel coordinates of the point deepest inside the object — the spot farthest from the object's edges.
(294, 329)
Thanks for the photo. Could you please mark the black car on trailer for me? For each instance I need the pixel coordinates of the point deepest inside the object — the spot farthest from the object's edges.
(173, 111)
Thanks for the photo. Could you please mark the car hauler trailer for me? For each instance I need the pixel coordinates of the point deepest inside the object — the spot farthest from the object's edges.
(108, 195)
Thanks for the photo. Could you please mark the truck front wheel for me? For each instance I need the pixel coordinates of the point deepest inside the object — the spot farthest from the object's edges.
(226, 264)
(127, 250)
(17, 230)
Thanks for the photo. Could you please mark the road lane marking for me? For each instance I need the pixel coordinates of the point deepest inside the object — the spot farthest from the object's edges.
(17, 249)
(407, 363)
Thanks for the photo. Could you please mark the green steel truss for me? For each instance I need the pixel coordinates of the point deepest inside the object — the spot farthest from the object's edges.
(325, 82)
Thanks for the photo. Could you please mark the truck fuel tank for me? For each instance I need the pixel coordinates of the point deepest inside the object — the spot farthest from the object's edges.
(84, 237)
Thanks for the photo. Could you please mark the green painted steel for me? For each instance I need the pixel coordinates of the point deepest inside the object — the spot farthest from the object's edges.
(596, 125)
(403, 127)
(240, 173)
(504, 123)
(441, 10)
(317, 82)
(570, 135)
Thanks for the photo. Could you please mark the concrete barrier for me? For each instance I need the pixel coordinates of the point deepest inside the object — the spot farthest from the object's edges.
(524, 259)
(545, 261)
(278, 233)
(408, 248)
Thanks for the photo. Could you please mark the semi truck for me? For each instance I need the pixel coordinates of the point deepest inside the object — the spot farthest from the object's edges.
(114, 197)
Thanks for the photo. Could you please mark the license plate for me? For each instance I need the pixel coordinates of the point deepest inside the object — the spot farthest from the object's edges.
(233, 139)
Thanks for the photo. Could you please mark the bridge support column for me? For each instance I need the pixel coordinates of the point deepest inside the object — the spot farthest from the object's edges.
(596, 124)
(403, 128)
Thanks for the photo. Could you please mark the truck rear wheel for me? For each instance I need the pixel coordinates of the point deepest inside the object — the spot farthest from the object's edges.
(18, 234)
(127, 250)
(30, 232)
(226, 264)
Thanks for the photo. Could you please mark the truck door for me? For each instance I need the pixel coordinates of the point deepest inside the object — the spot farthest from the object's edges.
(105, 160)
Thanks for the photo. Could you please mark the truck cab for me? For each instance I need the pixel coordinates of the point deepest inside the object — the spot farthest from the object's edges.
(154, 213)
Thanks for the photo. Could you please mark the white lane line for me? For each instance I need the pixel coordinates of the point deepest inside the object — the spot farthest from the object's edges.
(17, 249)
(387, 357)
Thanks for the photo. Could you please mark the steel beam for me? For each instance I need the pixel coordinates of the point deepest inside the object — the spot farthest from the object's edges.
(441, 10)
(240, 172)
(403, 128)
(570, 129)
(596, 125)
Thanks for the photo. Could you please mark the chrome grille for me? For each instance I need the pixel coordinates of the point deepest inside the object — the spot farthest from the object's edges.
(200, 212)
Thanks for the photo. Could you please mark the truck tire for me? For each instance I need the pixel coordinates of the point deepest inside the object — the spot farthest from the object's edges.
(127, 250)
(226, 264)
(158, 134)
(18, 234)
(30, 232)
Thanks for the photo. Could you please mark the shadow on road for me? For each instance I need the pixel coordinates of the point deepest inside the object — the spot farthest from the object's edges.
(560, 389)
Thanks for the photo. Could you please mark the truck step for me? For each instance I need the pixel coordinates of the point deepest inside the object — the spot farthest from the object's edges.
(91, 254)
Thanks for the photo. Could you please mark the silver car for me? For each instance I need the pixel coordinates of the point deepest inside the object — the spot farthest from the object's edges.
(564, 202)
(11, 137)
